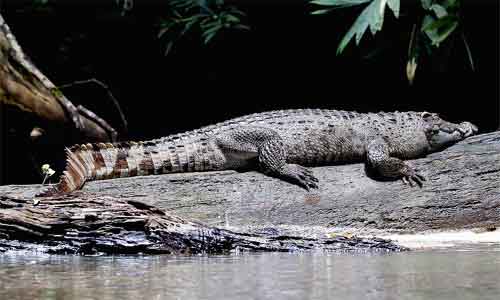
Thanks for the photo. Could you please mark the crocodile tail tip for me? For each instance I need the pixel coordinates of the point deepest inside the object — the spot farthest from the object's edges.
(73, 177)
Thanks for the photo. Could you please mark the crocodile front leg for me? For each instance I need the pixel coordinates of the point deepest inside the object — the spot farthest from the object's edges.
(243, 145)
(378, 157)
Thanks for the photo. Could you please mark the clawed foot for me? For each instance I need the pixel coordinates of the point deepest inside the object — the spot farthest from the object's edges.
(301, 176)
(411, 175)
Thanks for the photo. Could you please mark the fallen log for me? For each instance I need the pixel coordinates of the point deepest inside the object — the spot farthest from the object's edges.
(462, 191)
(84, 224)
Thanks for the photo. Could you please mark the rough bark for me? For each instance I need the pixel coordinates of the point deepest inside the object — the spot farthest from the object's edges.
(462, 191)
(85, 224)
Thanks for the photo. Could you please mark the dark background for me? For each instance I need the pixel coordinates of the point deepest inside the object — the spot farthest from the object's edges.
(287, 60)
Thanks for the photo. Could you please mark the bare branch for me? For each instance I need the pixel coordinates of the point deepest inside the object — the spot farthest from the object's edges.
(110, 95)
(92, 116)
(22, 59)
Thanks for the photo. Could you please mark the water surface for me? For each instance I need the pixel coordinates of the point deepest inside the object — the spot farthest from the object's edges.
(463, 273)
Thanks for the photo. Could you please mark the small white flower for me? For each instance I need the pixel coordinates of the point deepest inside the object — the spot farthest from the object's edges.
(47, 170)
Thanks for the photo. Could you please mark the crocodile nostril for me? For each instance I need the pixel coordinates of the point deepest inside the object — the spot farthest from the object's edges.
(470, 128)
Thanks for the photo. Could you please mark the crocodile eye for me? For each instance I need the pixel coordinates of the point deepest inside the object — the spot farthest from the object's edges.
(426, 115)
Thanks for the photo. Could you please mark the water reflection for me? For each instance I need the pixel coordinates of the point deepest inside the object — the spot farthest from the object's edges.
(436, 274)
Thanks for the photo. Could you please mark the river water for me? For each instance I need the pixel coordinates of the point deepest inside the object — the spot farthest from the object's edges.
(465, 272)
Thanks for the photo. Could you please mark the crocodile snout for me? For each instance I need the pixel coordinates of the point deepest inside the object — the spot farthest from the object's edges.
(467, 129)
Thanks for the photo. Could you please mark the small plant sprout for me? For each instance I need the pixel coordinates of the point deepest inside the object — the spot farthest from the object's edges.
(47, 171)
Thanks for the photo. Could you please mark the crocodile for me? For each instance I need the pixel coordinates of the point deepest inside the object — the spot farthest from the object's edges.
(282, 144)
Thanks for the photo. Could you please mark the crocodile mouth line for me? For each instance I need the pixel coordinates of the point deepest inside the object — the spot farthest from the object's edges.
(465, 129)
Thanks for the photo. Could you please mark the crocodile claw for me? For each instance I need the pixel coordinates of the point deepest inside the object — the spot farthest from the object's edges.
(302, 177)
(411, 176)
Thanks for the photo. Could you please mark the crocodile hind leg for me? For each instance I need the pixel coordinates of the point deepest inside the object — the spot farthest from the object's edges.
(244, 145)
(378, 157)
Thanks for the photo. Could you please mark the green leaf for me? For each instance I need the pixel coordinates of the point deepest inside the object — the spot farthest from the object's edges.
(469, 53)
(186, 28)
(445, 32)
(235, 11)
(231, 18)
(413, 54)
(163, 31)
(426, 22)
(192, 21)
(451, 4)
(371, 17)
(440, 23)
(439, 10)
(209, 24)
(209, 16)
(210, 33)
(241, 27)
(339, 3)
(394, 6)
(426, 4)
(209, 37)
(321, 11)
(438, 30)
(168, 48)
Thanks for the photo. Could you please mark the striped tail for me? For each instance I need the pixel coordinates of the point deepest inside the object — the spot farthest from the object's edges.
(80, 167)
(106, 161)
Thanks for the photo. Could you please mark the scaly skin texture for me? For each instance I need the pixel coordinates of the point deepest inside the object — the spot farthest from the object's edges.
(278, 143)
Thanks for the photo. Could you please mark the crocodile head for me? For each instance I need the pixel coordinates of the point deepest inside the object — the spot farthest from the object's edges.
(441, 133)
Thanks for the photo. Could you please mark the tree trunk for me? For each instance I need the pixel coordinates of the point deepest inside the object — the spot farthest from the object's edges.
(37, 120)
(24, 88)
